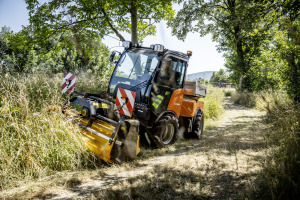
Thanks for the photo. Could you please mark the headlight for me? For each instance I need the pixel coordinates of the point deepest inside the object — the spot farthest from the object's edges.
(126, 44)
(157, 47)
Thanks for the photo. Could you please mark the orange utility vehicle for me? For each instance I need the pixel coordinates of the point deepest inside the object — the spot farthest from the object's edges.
(147, 95)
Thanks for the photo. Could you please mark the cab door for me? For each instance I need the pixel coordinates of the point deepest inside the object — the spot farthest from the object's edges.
(167, 90)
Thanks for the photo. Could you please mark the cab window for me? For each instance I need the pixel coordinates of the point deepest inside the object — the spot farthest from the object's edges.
(172, 73)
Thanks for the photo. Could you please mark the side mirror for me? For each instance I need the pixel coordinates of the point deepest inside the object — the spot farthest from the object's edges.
(112, 56)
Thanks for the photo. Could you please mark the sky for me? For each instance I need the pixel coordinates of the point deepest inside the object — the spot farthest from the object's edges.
(13, 14)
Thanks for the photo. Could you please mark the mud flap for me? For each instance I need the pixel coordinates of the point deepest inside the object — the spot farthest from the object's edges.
(128, 148)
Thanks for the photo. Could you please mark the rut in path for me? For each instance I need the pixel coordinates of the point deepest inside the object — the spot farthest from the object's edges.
(220, 166)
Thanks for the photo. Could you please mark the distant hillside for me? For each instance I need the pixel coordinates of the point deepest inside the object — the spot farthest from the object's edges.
(203, 75)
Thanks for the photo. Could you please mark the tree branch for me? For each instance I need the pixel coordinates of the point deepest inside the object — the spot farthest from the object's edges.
(146, 27)
(77, 22)
(112, 26)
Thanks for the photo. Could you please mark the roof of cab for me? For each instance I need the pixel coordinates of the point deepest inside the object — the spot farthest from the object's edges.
(166, 52)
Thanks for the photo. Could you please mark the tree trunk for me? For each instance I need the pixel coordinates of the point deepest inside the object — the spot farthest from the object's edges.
(293, 74)
(243, 82)
(134, 18)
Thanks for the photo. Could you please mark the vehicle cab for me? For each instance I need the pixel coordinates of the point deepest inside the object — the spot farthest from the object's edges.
(156, 74)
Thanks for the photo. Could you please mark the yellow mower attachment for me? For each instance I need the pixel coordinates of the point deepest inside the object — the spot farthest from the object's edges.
(123, 148)
(112, 141)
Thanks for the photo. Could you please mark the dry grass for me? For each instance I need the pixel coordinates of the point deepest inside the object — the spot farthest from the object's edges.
(222, 166)
(33, 142)
(280, 178)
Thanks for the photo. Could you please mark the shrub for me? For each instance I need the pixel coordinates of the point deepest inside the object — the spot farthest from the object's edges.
(228, 93)
(213, 103)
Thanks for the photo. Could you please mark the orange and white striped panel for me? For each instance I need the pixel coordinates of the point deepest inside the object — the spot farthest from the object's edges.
(68, 84)
(125, 101)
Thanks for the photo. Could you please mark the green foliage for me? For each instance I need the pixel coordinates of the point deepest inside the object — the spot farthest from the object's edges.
(260, 39)
(99, 18)
(232, 23)
(277, 66)
(57, 54)
(219, 77)
(201, 81)
(213, 103)
(228, 93)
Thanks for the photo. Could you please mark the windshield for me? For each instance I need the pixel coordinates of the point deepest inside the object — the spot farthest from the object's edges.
(134, 68)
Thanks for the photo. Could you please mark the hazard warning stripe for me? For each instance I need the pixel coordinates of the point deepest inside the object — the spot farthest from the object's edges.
(118, 104)
(65, 80)
(126, 108)
(128, 104)
(68, 88)
(131, 97)
(123, 110)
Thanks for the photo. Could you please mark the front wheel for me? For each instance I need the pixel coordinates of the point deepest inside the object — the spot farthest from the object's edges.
(165, 132)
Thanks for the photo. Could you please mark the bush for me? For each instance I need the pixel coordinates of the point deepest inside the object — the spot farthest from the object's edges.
(213, 103)
(34, 142)
(280, 178)
(228, 93)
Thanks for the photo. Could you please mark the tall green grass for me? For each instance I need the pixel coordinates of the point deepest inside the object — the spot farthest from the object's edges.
(33, 142)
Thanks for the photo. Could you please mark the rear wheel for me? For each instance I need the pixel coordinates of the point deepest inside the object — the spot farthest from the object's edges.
(165, 132)
(197, 128)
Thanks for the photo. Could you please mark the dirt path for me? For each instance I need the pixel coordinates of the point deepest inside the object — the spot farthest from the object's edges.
(221, 166)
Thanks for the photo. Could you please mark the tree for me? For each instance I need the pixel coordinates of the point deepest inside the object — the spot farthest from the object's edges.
(58, 54)
(277, 65)
(289, 46)
(219, 77)
(99, 17)
(234, 24)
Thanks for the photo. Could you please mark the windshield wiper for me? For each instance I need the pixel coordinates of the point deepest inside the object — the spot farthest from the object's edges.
(140, 85)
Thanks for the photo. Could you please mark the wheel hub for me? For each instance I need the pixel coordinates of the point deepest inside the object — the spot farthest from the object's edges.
(168, 134)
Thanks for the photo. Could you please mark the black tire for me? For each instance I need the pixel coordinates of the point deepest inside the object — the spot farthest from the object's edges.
(165, 132)
(197, 129)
